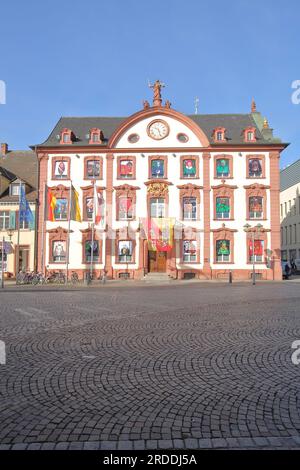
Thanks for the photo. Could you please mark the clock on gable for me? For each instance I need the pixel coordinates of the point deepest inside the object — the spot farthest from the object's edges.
(158, 129)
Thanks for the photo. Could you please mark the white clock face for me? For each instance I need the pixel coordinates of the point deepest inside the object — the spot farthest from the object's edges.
(158, 130)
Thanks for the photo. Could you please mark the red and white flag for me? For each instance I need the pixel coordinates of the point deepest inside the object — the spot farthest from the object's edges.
(97, 210)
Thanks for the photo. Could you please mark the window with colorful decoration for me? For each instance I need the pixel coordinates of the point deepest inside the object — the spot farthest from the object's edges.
(255, 207)
(157, 169)
(59, 250)
(222, 207)
(126, 169)
(258, 251)
(189, 208)
(61, 209)
(91, 248)
(125, 251)
(222, 167)
(223, 251)
(93, 169)
(61, 169)
(189, 251)
(189, 168)
(255, 167)
(125, 206)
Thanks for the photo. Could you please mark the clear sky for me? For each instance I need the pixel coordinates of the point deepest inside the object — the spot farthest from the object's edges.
(94, 57)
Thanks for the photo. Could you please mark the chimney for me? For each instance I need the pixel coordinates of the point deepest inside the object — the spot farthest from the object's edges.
(4, 149)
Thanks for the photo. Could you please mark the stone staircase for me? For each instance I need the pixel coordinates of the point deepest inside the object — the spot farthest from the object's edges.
(157, 278)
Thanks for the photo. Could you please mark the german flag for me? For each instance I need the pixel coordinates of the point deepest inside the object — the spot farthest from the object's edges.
(51, 202)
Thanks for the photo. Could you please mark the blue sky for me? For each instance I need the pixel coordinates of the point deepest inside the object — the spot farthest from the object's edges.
(95, 58)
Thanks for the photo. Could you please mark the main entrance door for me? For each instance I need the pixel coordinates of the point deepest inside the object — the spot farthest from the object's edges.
(157, 261)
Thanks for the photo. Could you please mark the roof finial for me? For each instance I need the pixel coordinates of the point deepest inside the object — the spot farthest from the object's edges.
(266, 123)
(157, 86)
(253, 106)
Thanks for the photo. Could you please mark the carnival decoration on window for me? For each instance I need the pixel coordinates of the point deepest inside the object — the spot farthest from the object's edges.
(157, 168)
(125, 208)
(59, 251)
(222, 207)
(125, 250)
(61, 209)
(258, 250)
(255, 167)
(61, 170)
(189, 250)
(222, 167)
(255, 207)
(93, 168)
(189, 208)
(126, 169)
(223, 250)
(88, 250)
(89, 206)
(159, 233)
(189, 168)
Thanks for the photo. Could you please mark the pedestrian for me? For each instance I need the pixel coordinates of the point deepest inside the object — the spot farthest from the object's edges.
(104, 276)
(287, 270)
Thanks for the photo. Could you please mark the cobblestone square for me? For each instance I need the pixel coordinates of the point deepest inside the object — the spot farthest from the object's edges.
(195, 365)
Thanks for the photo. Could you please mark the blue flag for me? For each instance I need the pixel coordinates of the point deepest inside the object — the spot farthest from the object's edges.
(25, 211)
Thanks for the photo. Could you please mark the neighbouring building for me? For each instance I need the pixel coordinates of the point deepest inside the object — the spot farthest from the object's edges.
(290, 211)
(202, 177)
(17, 169)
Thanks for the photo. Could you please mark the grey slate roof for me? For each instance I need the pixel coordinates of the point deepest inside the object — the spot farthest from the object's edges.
(233, 123)
(23, 165)
(290, 175)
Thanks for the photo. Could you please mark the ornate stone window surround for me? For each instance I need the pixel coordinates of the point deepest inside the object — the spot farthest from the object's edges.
(87, 235)
(189, 190)
(262, 235)
(262, 158)
(191, 234)
(189, 157)
(256, 190)
(224, 156)
(224, 190)
(123, 234)
(163, 158)
(57, 234)
(128, 191)
(93, 158)
(122, 158)
(224, 233)
(65, 159)
(88, 191)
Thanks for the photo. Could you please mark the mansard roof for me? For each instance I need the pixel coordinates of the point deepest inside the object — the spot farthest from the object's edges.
(234, 124)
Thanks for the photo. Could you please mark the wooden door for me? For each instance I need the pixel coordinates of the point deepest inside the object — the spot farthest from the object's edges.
(157, 262)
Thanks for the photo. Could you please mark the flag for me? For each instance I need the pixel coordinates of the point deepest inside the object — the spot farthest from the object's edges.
(51, 199)
(97, 212)
(159, 232)
(25, 213)
(75, 208)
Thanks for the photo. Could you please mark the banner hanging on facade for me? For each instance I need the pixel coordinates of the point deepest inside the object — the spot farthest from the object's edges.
(159, 232)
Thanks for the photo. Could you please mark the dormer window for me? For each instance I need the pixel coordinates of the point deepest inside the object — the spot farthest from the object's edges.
(66, 136)
(96, 136)
(249, 134)
(219, 134)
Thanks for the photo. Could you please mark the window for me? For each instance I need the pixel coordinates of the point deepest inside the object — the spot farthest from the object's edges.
(223, 251)
(126, 169)
(92, 168)
(89, 207)
(222, 208)
(255, 207)
(4, 220)
(189, 208)
(66, 138)
(157, 168)
(258, 251)
(222, 167)
(15, 189)
(125, 208)
(157, 207)
(250, 135)
(183, 138)
(189, 168)
(59, 251)
(61, 209)
(95, 135)
(61, 169)
(255, 168)
(125, 251)
(189, 251)
(24, 225)
(219, 135)
(88, 251)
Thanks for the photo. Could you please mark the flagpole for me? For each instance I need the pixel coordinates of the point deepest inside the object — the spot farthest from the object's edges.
(18, 239)
(93, 224)
(2, 263)
(69, 228)
(43, 229)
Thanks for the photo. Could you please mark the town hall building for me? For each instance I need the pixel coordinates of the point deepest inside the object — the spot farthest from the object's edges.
(185, 195)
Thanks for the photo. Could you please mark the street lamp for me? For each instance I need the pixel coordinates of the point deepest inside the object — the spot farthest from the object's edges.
(247, 228)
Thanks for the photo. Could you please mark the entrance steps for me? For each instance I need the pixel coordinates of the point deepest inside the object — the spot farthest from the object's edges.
(157, 277)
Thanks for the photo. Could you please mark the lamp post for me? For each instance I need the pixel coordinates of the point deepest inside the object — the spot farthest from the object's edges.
(247, 228)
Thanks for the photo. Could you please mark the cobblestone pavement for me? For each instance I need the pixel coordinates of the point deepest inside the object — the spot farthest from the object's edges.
(184, 366)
